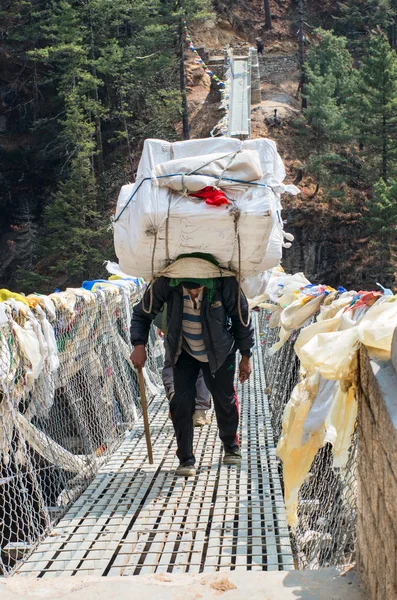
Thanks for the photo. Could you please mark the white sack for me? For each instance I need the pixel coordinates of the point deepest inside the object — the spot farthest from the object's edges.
(276, 283)
(211, 170)
(193, 226)
(255, 286)
(331, 353)
(320, 407)
(30, 348)
(377, 327)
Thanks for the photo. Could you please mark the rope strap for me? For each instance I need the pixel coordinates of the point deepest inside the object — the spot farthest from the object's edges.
(154, 232)
(232, 154)
(167, 230)
(150, 291)
(240, 291)
(134, 193)
(226, 168)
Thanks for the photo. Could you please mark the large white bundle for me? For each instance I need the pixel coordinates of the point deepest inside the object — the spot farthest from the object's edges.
(159, 224)
(219, 169)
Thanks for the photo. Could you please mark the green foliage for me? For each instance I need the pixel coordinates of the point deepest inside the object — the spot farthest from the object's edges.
(352, 120)
(28, 280)
(330, 59)
(326, 118)
(373, 109)
(351, 112)
(358, 18)
(381, 218)
(329, 76)
(100, 75)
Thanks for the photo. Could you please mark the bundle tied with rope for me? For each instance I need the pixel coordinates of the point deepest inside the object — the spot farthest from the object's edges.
(215, 196)
(231, 171)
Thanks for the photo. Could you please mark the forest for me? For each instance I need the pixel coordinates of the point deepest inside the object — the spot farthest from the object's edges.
(84, 82)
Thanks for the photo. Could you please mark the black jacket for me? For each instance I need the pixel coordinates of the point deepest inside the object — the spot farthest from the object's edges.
(222, 328)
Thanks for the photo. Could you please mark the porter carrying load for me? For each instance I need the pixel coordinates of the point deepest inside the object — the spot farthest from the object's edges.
(218, 196)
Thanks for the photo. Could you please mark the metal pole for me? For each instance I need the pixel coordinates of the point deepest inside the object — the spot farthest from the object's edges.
(249, 92)
(145, 416)
(301, 52)
(182, 78)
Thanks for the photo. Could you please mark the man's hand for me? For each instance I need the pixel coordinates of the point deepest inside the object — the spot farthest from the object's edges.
(138, 357)
(245, 369)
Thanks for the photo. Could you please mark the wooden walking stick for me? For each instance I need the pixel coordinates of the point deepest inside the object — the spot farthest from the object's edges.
(145, 415)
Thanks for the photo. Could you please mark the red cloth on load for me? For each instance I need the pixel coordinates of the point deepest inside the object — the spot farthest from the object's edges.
(212, 196)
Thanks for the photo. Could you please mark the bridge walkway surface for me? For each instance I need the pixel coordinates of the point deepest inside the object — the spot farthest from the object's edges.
(137, 518)
(240, 98)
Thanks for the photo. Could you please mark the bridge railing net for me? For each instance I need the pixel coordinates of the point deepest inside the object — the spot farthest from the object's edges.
(327, 504)
(58, 429)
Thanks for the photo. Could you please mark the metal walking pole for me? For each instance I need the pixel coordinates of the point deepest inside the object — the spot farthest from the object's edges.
(145, 416)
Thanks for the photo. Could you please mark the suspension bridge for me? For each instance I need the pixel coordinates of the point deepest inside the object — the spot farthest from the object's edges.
(79, 499)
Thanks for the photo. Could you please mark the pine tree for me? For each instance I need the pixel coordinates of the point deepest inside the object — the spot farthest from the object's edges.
(329, 76)
(358, 18)
(381, 218)
(330, 58)
(373, 109)
(381, 224)
(104, 76)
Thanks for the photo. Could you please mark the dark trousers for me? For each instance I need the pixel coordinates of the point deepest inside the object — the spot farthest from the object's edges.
(203, 396)
(182, 406)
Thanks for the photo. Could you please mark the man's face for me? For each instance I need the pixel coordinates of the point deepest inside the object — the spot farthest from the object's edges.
(195, 292)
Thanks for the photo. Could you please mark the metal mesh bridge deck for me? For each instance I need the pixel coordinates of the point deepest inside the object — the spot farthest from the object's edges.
(137, 518)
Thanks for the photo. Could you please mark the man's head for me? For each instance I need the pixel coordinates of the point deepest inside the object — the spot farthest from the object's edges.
(193, 287)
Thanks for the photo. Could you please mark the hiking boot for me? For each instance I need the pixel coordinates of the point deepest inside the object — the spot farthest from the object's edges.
(200, 418)
(232, 457)
(186, 470)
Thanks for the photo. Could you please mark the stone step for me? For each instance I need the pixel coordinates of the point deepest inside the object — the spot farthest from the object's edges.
(216, 59)
(325, 584)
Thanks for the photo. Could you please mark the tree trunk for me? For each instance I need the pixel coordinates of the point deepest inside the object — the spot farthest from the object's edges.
(301, 38)
(185, 114)
(268, 15)
(127, 136)
(299, 176)
(384, 148)
(392, 35)
(98, 124)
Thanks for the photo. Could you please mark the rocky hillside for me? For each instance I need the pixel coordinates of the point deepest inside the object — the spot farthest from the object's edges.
(331, 245)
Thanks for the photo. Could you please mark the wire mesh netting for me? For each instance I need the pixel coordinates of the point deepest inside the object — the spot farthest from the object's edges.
(327, 505)
(59, 425)
(57, 428)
